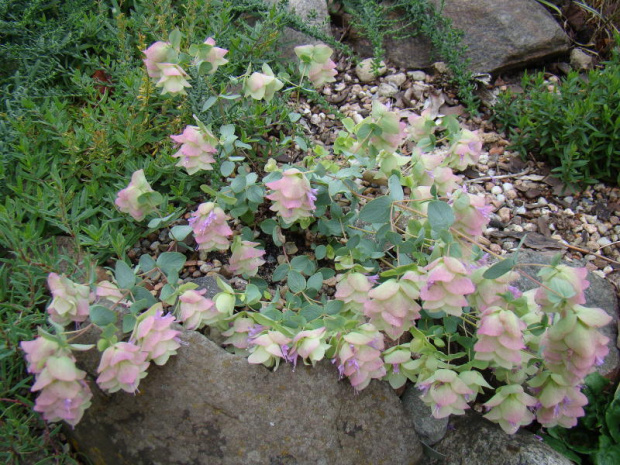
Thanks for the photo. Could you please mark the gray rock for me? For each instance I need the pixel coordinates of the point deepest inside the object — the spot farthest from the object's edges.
(314, 13)
(207, 406)
(365, 72)
(429, 429)
(499, 35)
(580, 60)
(600, 294)
(473, 440)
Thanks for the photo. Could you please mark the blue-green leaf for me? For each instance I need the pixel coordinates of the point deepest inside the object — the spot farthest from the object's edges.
(440, 215)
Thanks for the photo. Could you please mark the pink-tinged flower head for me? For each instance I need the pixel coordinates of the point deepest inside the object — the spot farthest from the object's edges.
(563, 286)
(155, 336)
(488, 291)
(352, 289)
(399, 366)
(309, 345)
(446, 287)
(122, 366)
(246, 258)
(197, 149)
(427, 170)
(63, 393)
(39, 350)
(572, 345)
(195, 310)
(559, 402)
(159, 52)
(262, 85)
(359, 357)
(392, 130)
(392, 307)
(109, 291)
(137, 199)
(173, 79)
(268, 348)
(471, 213)
(239, 333)
(446, 393)
(500, 338)
(292, 196)
(465, 151)
(316, 64)
(421, 126)
(509, 408)
(215, 55)
(71, 301)
(210, 227)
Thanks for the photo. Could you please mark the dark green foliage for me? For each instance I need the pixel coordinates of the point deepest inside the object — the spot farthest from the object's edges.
(575, 127)
(376, 20)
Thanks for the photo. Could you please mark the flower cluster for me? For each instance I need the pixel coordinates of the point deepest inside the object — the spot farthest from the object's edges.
(292, 196)
(64, 395)
(245, 258)
(465, 150)
(262, 85)
(359, 357)
(392, 307)
(559, 402)
(211, 230)
(268, 348)
(352, 289)
(500, 338)
(195, 310)
(197, 149)
(315, 63)
(122, 367)
(162, 64)
(309, 345)
(155, 336)
(208, 56)
(471, 213)
(446, 286)
(138, 198)
(509, 407)
(71, 301)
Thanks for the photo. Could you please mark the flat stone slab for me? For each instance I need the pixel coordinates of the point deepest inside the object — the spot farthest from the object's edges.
(207, 406)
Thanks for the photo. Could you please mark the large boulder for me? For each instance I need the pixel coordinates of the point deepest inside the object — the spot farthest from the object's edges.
(499, 35)
(474, 440)
(207, 406)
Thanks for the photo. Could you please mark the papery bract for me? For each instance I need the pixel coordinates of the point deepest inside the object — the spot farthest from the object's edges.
(159, 52)
(292, 196)
(39, 350)
(465, 151)
(446, 393)
(488, 291)
(71, 301)
(122, 366)
(559, 402)
(563, 286)
(195, 310)
(155, 336)
(399, 366)
(246, 258)
(316, 64)
(309, 345)
(359, 357)
(471, 213)
(173, 79)
(352, 289)
(446, 287)
(269, 348)
(392, 307)
(197, 149)
(500, 338)
(215, 55)
(262, 85)
(63, 393)
(509, 408)
(421, 126)
(238, 335)
(211, 230)
(135, 199)
(109, 291)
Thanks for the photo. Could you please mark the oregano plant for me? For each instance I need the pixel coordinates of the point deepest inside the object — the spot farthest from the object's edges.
(394, 284)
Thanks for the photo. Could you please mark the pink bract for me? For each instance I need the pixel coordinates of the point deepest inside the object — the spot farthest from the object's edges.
(292, 196)
(122, 366)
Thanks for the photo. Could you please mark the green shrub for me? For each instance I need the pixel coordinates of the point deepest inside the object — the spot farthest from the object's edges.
(575, 126)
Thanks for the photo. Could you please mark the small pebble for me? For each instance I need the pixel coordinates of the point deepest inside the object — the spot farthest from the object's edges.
(496, 190)
(154, 245)
(417, 75)
(507, 187)
(501, 198)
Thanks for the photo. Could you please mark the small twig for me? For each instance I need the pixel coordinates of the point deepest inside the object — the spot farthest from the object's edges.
(589, 252)
(502, 176)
